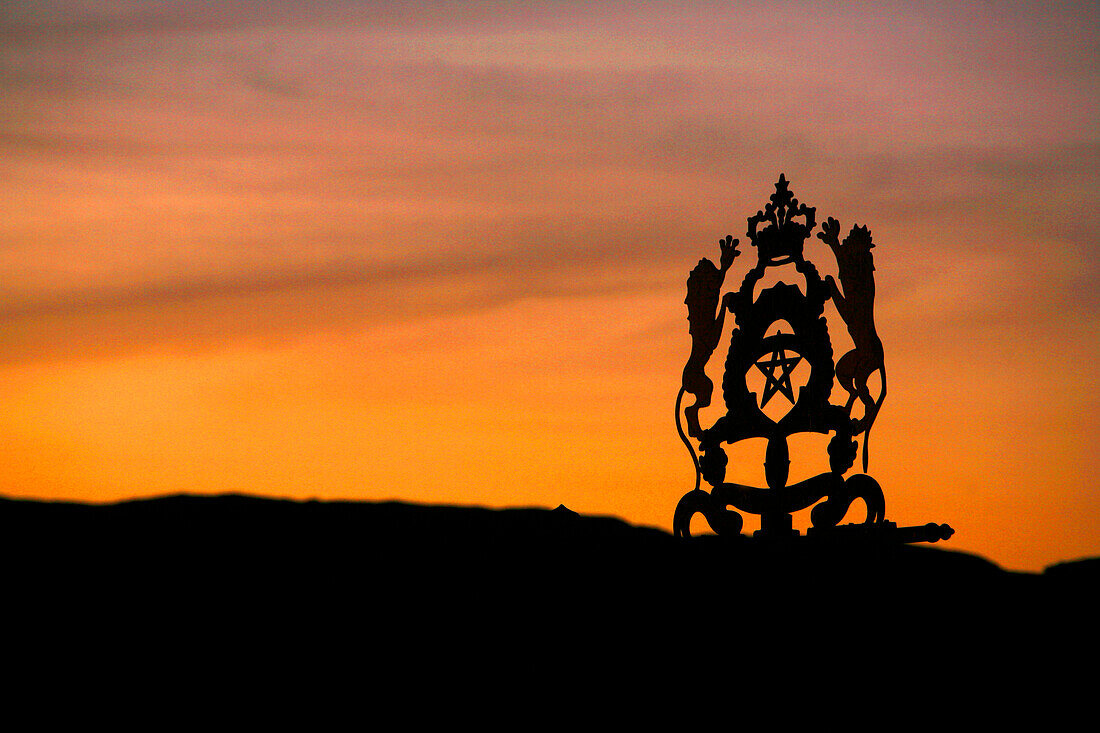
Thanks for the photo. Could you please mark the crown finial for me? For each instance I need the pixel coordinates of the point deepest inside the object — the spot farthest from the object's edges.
(782, 239)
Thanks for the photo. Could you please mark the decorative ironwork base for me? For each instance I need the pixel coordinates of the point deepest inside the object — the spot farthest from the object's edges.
(825, 516)
(776, 505)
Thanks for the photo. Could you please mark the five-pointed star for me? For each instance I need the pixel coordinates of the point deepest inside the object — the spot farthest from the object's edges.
(782, 383)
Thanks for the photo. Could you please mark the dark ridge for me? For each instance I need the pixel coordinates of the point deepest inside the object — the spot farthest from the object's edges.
(404, 575)
(394, 538)
(1086, 570)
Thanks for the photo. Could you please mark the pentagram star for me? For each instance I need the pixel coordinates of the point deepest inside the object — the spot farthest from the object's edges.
(782, 383)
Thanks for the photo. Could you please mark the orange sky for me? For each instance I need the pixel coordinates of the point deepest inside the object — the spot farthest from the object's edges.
(379, 250)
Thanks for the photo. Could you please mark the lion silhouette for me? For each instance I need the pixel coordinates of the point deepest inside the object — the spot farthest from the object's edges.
(856, 305)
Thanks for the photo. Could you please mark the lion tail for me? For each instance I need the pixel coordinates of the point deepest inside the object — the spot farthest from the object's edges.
(684, 437)
(878, 404)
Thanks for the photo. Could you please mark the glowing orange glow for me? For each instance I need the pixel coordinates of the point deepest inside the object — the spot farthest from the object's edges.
(439, 256)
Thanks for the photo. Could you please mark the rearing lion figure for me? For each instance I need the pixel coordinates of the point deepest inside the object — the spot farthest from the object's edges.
(704, 288)
(856, 305)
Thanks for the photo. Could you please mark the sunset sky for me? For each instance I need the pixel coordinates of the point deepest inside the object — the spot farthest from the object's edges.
(437, 252)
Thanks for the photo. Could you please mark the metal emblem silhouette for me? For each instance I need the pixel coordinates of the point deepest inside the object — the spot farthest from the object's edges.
(778, 331)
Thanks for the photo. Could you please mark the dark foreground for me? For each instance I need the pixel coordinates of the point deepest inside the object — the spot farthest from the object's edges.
(392, 585)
